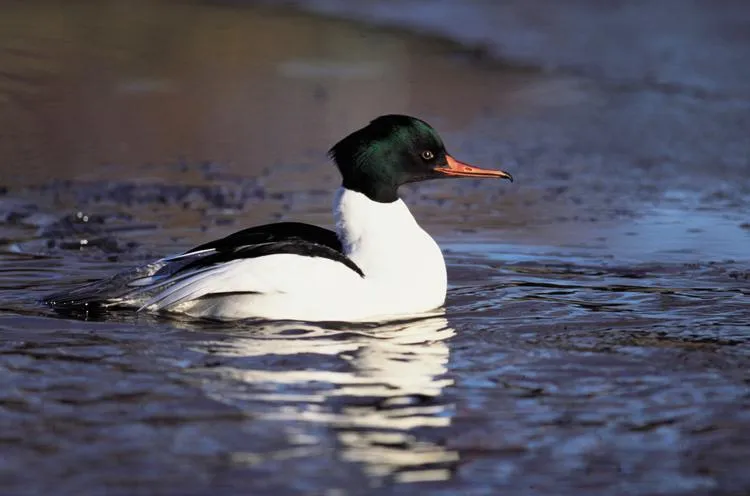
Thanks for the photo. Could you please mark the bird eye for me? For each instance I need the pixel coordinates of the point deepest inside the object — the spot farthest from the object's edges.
(427, 155)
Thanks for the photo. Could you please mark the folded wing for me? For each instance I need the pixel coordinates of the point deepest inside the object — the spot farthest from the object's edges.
(265, 259)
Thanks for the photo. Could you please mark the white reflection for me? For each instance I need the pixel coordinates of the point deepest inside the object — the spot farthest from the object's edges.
(369, 386)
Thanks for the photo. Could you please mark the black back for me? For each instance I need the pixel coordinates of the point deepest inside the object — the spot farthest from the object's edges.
(294, 238)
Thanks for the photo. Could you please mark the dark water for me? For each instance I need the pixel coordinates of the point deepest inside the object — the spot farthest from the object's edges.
(595, 339)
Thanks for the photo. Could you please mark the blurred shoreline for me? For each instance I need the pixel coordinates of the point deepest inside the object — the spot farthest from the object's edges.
(689, 47)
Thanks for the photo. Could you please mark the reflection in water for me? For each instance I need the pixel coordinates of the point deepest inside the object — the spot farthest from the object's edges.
(375, 387)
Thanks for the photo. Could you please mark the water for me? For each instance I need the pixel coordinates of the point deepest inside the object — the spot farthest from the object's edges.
(595, 338)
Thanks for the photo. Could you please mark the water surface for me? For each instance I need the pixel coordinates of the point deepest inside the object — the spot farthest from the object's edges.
(595, 339)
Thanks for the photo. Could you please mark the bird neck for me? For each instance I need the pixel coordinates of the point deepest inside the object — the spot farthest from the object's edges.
(395, 254)
(362, 221)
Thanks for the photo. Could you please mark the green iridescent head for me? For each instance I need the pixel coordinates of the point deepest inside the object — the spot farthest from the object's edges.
(393, 150)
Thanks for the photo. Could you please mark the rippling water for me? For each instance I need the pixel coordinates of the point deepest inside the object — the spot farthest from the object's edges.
(595, 339)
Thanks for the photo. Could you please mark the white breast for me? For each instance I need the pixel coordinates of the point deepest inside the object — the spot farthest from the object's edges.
(403, 265)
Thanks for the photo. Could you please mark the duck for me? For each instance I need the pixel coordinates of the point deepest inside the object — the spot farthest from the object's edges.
(378, 264)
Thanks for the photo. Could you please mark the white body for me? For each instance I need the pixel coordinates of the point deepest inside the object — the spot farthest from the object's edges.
(404, 274)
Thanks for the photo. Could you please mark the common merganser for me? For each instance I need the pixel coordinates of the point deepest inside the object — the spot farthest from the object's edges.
(379, 264)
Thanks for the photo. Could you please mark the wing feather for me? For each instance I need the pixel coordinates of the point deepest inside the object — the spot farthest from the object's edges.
(243, 262)
(188, 287)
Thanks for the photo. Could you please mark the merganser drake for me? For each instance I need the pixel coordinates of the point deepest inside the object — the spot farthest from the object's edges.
(379, 264)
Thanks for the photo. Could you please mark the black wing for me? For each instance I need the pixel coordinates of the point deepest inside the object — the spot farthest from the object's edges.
(294, 238)
(272, 233)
